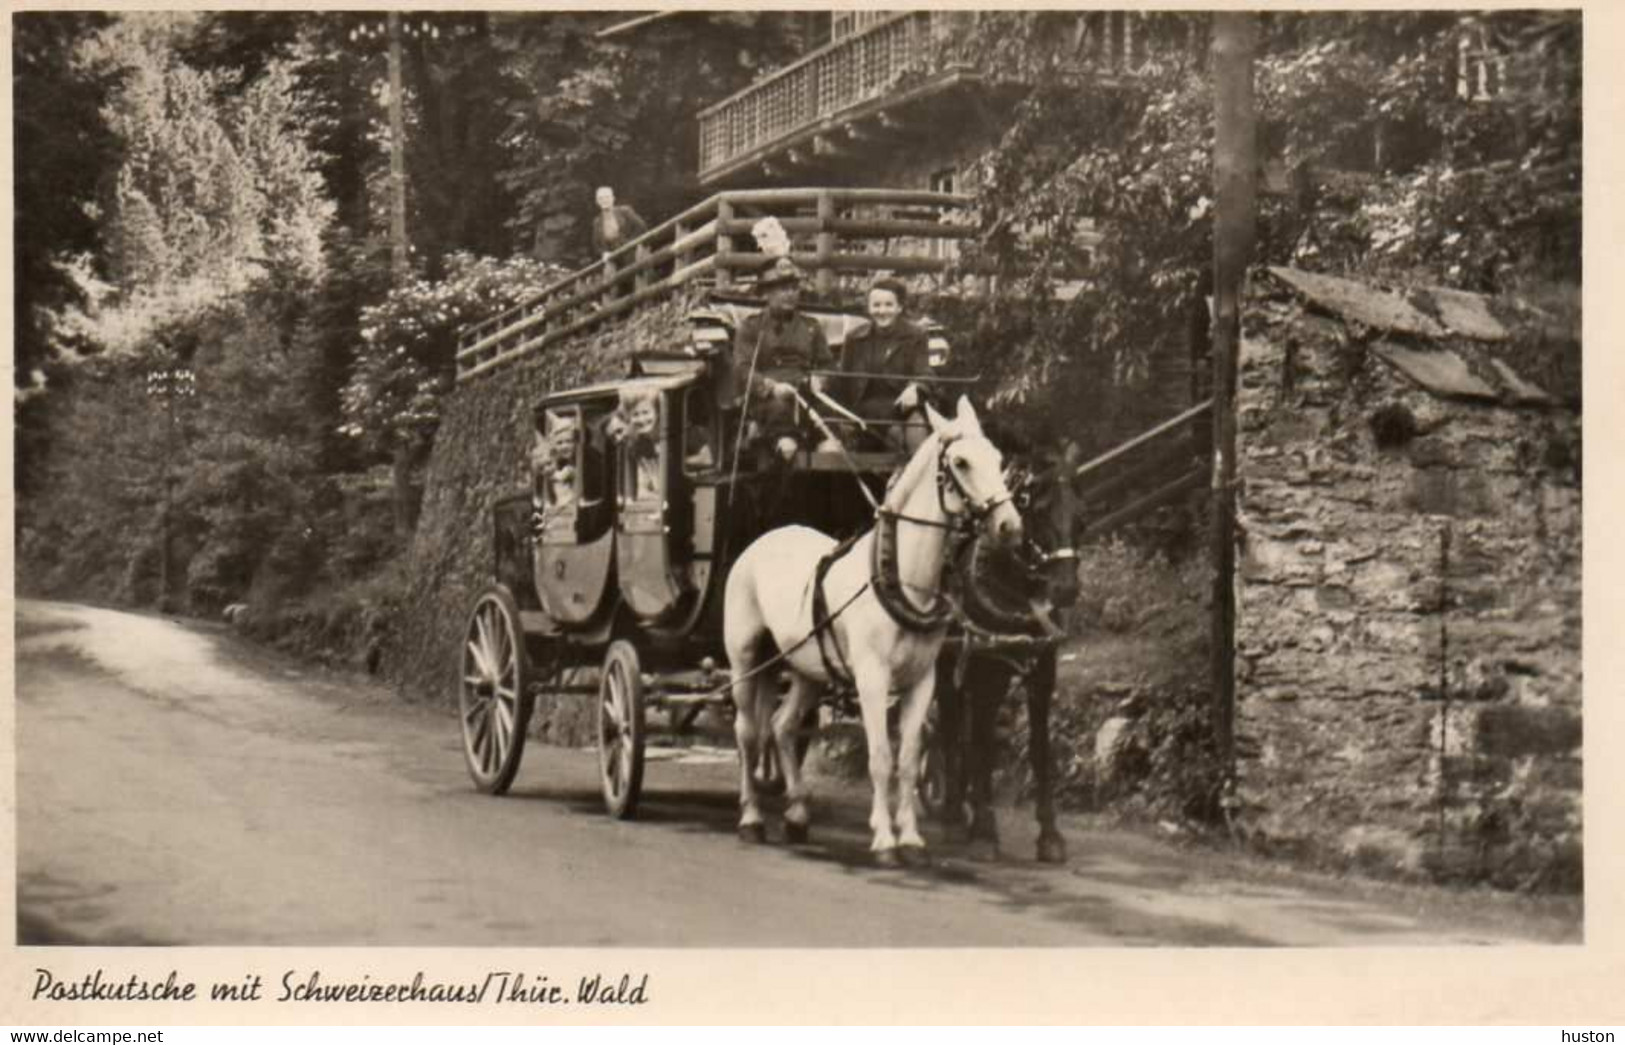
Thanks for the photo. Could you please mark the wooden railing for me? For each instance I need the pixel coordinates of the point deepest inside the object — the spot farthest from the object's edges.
(836, 77)
(835, 235)
(865, 66)
(1173, 456)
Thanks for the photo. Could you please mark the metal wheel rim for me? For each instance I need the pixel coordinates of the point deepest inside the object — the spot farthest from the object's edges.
(490, 688)
(615, 738)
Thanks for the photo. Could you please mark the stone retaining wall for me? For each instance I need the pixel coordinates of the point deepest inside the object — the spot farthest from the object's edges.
(1408, 622)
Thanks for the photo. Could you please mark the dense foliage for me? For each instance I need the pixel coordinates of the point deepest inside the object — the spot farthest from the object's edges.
(1438, 147)
(212, 191)
(404, 366)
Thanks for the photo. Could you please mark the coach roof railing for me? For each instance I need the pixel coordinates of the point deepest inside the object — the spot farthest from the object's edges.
(834, 232)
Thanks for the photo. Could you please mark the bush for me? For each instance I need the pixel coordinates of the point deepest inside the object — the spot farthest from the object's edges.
(1123, 588)
(344, 626)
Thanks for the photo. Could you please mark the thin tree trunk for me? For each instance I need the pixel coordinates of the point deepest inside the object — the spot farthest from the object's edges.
(398, 261)
(1235, 174)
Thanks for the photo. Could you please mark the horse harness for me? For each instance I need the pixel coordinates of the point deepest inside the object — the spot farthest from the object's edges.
(885, 573)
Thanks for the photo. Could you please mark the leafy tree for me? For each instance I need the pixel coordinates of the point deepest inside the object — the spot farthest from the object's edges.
(217, 219)
(1401, 168)
(1469, 124)
(216, 191)
(63, 151)
(407, 358)
(586, 111)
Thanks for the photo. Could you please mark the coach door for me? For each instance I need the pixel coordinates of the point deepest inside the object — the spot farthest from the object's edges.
(576, 547)
(647, 526)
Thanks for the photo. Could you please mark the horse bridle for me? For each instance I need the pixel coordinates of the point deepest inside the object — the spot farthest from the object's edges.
(1038, 556)
(966, 519)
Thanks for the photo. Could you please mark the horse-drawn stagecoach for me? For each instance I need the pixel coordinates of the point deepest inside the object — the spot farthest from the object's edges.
(611, 573)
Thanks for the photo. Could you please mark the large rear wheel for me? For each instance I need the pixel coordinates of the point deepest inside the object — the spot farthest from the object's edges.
(494, 700)
(620, 729)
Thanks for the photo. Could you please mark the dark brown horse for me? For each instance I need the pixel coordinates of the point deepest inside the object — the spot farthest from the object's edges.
(1009, 599)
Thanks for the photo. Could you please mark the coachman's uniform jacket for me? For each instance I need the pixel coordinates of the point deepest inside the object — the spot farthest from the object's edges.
(790, 346)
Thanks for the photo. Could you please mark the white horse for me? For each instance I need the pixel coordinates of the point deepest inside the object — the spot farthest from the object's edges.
(889, 620)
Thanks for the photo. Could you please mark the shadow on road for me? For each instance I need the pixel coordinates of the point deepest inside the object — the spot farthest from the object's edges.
(1072, 895)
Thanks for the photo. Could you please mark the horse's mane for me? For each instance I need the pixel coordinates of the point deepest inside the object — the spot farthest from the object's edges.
(924, 457)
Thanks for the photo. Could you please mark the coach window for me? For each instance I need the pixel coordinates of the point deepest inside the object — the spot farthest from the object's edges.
(594, 480)
(699, 424)
(563, 450)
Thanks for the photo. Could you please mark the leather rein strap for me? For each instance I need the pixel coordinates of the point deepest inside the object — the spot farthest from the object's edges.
(835, 665)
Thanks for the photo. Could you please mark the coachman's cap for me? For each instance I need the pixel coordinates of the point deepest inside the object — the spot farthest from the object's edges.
(780, 273)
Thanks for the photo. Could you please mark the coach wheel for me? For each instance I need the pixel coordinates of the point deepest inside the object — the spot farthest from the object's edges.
(620, 730)
(494, 700)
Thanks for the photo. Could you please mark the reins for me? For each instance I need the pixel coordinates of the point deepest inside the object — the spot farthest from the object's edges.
(818, 628)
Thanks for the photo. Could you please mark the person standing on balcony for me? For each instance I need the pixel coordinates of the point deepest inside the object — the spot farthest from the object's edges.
(773, 351)
(884, 358)
(615, 225)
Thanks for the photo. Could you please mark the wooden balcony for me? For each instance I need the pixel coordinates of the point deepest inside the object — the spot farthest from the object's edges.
(856, 85)
(840, 237)
(838, 79)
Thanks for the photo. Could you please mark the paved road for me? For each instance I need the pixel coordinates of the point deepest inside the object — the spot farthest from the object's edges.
(178, 786)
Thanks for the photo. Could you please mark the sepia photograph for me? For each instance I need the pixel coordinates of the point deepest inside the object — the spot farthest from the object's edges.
(775, 479)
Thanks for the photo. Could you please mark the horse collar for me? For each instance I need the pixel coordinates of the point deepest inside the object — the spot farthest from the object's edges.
(888, 583)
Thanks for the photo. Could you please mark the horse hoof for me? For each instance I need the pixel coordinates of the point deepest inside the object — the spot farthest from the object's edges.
(756, 834)
(887, 858)
(1051, 849)
(796, 834)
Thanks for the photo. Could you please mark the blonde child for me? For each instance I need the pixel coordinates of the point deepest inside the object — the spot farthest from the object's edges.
(641, 409)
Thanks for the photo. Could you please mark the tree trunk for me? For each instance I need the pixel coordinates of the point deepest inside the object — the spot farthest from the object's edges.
(1235, 175)
(398, 261)
(406, 508)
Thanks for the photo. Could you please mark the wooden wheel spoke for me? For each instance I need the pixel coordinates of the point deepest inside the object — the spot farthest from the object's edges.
(504, 720)
(482, 737)
(482, 663)
(492, 752)
(482, 624)
(505, 660)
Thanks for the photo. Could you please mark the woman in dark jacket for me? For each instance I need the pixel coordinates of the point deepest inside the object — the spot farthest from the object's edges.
(882, 358)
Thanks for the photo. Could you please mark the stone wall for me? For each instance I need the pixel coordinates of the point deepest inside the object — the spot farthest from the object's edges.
(1408, 623)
